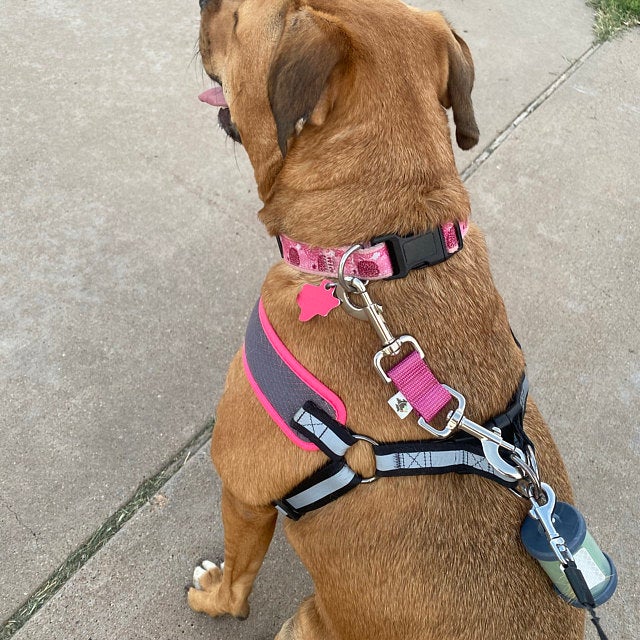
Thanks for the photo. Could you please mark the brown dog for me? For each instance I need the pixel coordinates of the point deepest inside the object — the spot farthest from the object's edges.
(340, 105)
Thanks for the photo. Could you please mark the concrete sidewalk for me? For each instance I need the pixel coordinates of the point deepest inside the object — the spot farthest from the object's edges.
(120, 311)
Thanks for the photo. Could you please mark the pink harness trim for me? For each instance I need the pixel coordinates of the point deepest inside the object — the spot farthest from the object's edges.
(302, 373)
(370, 263)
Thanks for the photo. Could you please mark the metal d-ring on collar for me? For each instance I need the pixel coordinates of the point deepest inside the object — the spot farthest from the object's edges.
(370, 312)
(345, 281)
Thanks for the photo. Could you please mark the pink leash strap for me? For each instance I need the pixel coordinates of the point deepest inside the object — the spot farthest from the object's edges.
(419, 386)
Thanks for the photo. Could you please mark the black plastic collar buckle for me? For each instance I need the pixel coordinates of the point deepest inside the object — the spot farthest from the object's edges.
(417, 251)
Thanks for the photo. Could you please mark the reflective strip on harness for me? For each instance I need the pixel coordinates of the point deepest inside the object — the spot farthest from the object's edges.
(330, 482)
(459, 454)
(438, 461)
(333, 440)
(280, 382)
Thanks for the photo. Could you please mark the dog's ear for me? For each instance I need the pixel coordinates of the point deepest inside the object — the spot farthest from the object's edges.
(309, 50)
(458, 92)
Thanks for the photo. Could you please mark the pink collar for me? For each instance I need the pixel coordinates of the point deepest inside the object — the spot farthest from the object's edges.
(385, 257)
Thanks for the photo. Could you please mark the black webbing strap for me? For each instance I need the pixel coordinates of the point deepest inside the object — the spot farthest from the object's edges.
(459, 454)
(322, 487)
(511, 422)
(583, 595)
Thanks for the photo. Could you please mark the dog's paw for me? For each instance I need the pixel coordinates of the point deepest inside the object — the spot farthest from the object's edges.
(207, 575)
(206, 596)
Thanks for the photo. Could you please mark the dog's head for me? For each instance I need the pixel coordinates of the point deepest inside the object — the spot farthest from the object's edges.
(359, 83)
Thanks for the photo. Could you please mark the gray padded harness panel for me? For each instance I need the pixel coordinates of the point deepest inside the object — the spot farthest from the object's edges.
(284, 390)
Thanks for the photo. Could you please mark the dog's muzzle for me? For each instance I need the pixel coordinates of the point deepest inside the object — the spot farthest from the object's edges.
(227, 124)
(215, 97)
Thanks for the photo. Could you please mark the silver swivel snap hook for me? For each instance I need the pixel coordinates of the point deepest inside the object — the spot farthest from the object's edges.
(491, 441)
(350, 286)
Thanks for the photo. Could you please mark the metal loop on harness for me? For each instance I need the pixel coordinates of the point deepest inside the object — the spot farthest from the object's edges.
(453, 417)
(530, 485)
(372, 442)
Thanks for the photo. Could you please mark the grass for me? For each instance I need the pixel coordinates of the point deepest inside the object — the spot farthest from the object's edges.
(614, 15)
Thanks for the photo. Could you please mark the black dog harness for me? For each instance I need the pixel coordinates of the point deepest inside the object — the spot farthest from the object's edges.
(461, 453)
(313, 417)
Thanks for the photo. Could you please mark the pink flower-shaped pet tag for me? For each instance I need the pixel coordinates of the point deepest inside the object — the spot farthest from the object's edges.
(317, 300)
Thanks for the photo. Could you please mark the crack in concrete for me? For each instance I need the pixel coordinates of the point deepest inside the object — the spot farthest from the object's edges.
(19, 520)
(501, 138)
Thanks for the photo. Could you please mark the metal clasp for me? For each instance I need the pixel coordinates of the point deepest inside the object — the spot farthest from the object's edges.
(530, 485)
(370, 311)
(491, 441)
(543, 513)
(454, 418)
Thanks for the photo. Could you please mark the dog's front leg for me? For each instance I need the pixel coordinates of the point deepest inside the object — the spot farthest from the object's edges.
(247, 533)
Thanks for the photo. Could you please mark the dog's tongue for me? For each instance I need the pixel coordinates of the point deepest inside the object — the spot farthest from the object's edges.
(214, 97)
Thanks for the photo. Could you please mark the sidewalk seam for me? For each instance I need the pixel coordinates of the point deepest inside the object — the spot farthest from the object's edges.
(502, 137)
(105, 532)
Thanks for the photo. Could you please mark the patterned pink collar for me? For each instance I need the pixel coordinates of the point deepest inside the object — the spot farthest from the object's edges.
(386, 257)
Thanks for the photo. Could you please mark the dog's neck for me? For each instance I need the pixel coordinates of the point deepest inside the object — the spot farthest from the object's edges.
(354, 198)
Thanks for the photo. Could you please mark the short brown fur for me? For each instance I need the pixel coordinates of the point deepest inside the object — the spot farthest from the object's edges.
(435, 557)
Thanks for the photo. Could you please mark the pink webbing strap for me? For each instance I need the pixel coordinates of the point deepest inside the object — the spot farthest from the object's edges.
(370, 263)
(419, 386)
